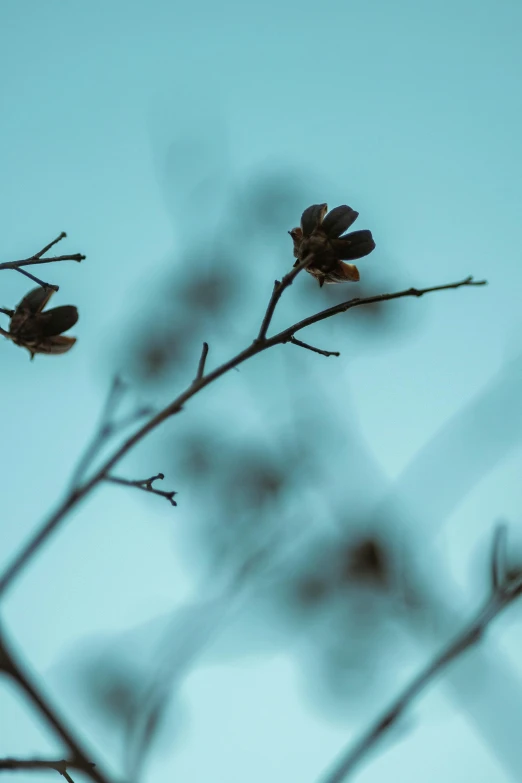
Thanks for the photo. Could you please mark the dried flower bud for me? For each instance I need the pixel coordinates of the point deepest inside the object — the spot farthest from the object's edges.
(38, 331)
(320, 236)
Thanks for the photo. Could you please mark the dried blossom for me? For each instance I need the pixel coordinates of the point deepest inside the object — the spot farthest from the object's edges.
(322, 237)
(38, 331)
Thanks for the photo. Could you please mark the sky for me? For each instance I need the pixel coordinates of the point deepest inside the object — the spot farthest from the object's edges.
(410, 112)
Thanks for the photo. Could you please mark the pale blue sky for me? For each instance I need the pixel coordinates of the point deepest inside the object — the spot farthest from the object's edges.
(409, 111)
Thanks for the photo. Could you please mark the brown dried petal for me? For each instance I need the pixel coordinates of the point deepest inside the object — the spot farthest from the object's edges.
(339, 220)
(354, 245)
(57, 320)
(35, 301)
(343, 273)
(312, 218)
(56, 345)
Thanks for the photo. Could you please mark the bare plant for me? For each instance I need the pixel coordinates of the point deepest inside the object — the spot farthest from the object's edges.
(320, 250)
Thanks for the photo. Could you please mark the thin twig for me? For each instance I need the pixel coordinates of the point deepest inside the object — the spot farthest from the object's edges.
(10, 665)
(279, 287)
(34, 278)
(44, 250)
(503, 595)
(79, 493)
(201, 365)
(146, 485)
(295, 341)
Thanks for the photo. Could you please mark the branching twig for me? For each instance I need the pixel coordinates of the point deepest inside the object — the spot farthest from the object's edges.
(10, 665)
(146, 485)
(80, 492)
(37, 259)
(295, 341)
(61, 765)
(504, 593)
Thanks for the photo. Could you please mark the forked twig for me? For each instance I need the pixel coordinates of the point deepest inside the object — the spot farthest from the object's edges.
(146, 485)
(37, 259)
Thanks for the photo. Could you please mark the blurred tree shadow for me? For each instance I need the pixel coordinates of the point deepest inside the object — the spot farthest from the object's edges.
(298, 539)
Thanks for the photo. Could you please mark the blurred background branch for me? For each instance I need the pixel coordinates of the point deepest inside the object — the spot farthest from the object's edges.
(504, 591)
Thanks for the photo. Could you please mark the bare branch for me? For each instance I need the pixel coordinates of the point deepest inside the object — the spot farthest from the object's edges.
(342, 307)
(201, 365)
(295, 341)
(146, 485)
(78, 493)
(35, 260)
(12, 668)
(62, 766)
(504, 593)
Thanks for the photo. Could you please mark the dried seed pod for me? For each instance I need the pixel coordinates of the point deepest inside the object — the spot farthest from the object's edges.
(321, 236)
(41, 332)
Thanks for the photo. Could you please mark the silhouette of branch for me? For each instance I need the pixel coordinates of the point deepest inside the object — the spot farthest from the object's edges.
(503, 594)
(146, 485)
(260, 344)
(62, 766)
(342, 307)
(295, 341)
(10, 665)
(37, 259)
